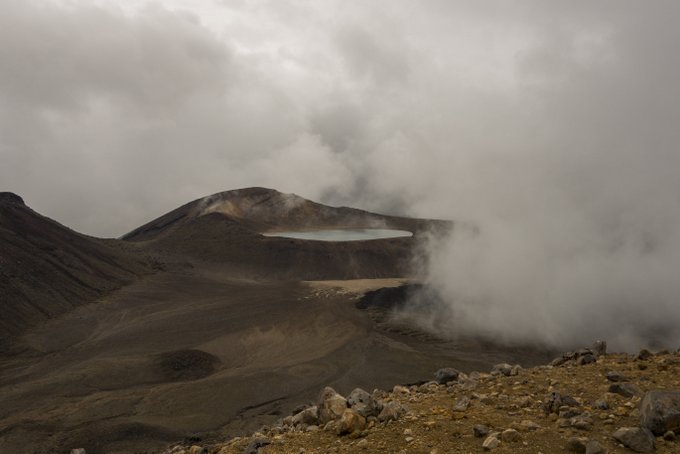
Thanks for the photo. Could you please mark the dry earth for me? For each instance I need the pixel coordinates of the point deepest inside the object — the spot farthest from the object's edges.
(188, 353)
(431, 425)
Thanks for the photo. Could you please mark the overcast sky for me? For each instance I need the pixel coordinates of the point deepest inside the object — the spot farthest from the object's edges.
(552, 125)
(113, 112)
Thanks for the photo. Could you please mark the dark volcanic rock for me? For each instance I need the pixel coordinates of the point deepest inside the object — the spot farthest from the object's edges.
(552, 403)
(446, 375)
(624, 389)
(361, 401)
(588, 358)
(636, 438)
(582, 422)
(581, 356)
(660, 411)
(480, 430)
(570, 401)
(502, 369)
(616, 376)
(593, 447)
(555, 400)
(577, 444)
(563, 359)
(256, 444)
(599, 348)
(601, 404)
(309, 416)
(644, 355)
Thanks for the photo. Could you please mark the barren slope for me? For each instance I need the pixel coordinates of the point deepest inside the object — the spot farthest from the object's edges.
(47, 269)
(225, 229)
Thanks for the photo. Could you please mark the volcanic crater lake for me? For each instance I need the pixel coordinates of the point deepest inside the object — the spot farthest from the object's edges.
(342, 234)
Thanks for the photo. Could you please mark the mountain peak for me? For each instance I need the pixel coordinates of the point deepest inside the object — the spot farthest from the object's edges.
(11, 198)
(251, 203)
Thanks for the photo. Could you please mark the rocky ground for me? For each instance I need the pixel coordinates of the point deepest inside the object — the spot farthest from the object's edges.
(585, 401)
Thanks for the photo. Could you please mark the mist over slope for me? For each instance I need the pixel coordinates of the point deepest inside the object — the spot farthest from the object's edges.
(551, 127)
(572, 244)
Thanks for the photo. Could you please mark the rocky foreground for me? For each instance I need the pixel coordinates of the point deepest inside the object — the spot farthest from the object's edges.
(586, 401)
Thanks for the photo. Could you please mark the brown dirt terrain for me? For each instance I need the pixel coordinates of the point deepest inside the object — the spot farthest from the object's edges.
(104, 382)
(431, 425)
(213, 332)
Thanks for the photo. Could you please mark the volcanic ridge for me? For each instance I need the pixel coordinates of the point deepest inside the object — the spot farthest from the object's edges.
(197, 325)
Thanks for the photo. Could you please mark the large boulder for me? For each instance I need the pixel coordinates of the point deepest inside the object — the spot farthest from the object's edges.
(599, 348)
(660, 411)
(446, 375)
(638, 439)
(502, 369)
(309, 416)
(588, 358)
(350, 421)
(331, 405)
(361, 401)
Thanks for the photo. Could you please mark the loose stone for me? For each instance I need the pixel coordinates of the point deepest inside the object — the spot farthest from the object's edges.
(636, 438)
(593, 447)
(491, 443)
(461, 404)
(256, 444)
(480, 431)
(577, 444)
(510, 435)
(624, 389)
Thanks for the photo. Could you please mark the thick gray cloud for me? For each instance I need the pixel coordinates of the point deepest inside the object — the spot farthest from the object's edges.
(552, 126)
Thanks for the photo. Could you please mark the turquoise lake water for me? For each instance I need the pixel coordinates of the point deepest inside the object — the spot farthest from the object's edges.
(343, 234)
